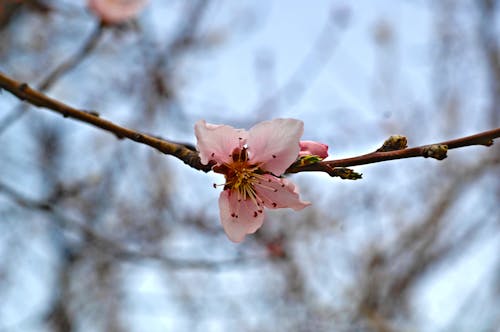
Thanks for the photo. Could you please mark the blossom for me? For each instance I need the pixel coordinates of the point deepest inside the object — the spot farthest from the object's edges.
(308, 148)
(252, 163)
(116, 11)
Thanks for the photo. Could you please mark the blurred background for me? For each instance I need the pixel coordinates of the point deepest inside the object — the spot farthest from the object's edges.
(98, 234)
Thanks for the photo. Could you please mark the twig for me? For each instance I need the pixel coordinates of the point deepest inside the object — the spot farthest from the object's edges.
(437, 151)
(191, 157)
(34, 97)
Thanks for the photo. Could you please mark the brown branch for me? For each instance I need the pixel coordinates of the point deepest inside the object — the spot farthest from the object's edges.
(393, 148)
(24, 92)
(436, 151)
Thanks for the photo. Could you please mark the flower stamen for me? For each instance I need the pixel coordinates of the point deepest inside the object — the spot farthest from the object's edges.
(241, 176)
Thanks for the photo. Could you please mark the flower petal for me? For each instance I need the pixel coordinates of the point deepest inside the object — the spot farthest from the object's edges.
(279, 193)
(275, 144)
(239, 218)
(217, 142)
(308, 148)
(116, 11)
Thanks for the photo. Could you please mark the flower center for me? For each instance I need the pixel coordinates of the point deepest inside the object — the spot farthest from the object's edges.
(240, 174)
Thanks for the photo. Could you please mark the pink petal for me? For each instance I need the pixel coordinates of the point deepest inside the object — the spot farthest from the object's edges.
(275, 144)
(313, 148)
(116, 11)
(217, 142)
(279, 193)
(239, 218)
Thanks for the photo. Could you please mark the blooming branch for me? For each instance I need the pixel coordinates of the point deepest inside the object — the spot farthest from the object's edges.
(189, 156)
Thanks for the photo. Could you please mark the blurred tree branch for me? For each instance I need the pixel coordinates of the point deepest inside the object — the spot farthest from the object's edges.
(66, 66)
(390, 273)
(391, 150)
(491, 49)
(110, 246)
(160, 67)
(310, 67)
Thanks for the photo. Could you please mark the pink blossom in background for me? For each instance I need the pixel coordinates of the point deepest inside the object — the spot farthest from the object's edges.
(313, 148)
(251, 162)
(116, 11)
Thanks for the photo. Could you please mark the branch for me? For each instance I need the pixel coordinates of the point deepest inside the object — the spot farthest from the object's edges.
(22, 91)
(393, 148)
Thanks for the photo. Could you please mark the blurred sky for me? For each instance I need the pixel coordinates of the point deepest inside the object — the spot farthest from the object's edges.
(285, 33)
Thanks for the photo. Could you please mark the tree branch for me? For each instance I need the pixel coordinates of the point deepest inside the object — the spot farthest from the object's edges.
(34, 97)
(437, 151)
(393, 148)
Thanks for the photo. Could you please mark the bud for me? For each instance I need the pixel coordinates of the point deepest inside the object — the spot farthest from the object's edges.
(308, 148)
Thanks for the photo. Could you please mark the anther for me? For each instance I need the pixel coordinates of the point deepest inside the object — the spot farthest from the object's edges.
(243, 154)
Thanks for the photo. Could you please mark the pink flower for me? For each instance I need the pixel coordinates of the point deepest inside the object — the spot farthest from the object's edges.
(116, 11)
(313, 148)
(251, 162)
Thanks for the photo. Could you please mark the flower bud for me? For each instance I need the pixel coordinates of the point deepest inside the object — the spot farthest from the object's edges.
(308, 148)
